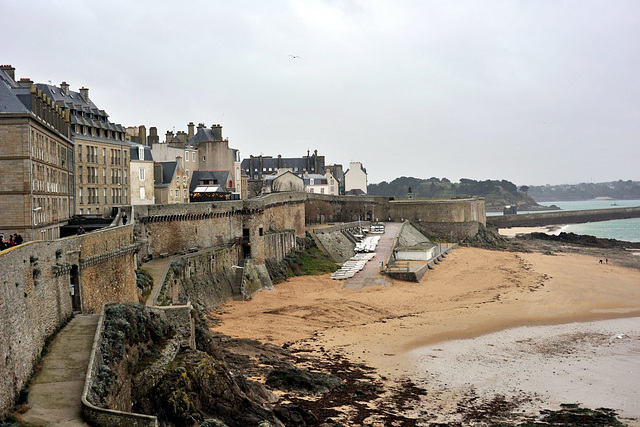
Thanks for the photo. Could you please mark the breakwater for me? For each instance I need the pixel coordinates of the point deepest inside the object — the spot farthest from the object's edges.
(563, 217)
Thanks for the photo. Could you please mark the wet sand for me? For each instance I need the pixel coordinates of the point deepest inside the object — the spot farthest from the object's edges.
(473, 293)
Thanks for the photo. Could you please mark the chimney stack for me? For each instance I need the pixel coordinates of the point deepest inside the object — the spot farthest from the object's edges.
(142, 134)
(84, 93)
(190, 127)
(65, 88)
(25, 82)
(217, 132)
(200, 126)
(10, 71)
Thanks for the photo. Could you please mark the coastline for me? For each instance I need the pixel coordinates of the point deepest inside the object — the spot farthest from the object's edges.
(473, 293)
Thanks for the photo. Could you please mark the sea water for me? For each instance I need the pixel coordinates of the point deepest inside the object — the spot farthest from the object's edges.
(620, 229)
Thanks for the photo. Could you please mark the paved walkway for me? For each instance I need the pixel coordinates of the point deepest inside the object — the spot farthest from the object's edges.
(156, 267)
(370, 274)
(55, 392)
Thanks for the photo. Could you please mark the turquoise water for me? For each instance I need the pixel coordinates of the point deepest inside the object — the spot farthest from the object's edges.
(621, 229)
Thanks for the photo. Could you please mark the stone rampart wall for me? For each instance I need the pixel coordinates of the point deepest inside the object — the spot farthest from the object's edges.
(34, 303)
(171, 229)
(563, 217)
(278, 245)
(206, 278)
(447, 211)
(324, 208)
(107, 267)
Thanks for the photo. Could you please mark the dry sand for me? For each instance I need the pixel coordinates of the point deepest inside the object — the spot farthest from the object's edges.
(436, 331)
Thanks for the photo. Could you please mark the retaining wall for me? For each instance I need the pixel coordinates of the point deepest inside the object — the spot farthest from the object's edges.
(93, 413)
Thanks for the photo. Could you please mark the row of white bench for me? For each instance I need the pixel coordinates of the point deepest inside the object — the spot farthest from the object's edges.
(351, 267)
(368, 244)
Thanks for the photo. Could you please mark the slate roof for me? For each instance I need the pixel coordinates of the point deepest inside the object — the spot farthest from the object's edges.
(168, 172)
(296, 164)
(134, 153)
(11, 94)
(203, 135)
(219, 178)
(317, 179)
(87, 113)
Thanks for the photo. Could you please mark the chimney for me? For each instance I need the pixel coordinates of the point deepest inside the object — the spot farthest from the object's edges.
(10, 71)
(315, 161)
(217, 132)
(190, 126)
(84, 93)
(169, 137)
(65, 88)
(25, 82)
(279, 161)
(142, 134)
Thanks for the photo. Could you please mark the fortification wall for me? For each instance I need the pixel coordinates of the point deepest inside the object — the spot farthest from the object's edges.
(563, 217)
(448, 211)
(107, 267)
(171, 229)
(278, 245)
(206, 278)
(324, 208)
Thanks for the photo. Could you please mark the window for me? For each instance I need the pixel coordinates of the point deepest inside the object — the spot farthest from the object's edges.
(141, 172)
(184, 179)
(79, 152)
(311, 190)
(310, 181)
(186, 156)
(142, 193)
(322, 191)
(140, 153)
(104, 156)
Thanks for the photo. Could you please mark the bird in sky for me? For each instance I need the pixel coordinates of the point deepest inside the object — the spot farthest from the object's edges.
(620, 336)
(294, 56)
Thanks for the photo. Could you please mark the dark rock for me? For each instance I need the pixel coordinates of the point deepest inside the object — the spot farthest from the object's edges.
(292, 379)
(295, 416)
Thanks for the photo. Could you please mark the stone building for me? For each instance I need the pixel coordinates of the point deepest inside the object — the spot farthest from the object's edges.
(355, 178)
(203, 149)
(141, 172)
(101, 152)
(36, 160)
(171, 183)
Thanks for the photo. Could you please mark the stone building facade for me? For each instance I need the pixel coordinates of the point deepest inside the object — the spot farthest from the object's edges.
(141, 173)
(355, 178)
(101, 152)
(36, 160)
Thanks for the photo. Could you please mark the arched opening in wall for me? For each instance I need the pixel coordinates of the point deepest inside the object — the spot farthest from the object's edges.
(74, 289)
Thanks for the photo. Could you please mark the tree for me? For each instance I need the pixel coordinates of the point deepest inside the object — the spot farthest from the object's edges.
(524, 189)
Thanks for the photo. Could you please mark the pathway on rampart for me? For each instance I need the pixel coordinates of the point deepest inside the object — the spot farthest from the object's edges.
(370, 275)
(55, 392)
(156, 267)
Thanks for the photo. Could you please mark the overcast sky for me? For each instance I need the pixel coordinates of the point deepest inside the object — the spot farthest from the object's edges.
(535, 92)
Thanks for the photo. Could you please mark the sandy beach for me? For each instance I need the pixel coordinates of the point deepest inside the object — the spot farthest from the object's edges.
(532, 327)
(516, 231)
